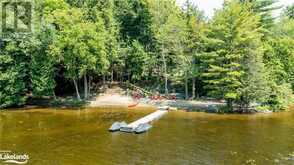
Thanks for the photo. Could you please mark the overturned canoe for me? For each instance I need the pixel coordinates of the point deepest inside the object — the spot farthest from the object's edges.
(117, 126)
(142, 128)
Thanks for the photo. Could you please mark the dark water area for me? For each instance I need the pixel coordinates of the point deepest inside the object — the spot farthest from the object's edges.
(81, 137)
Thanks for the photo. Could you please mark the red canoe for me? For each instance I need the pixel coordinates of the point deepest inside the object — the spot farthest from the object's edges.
(133, 105)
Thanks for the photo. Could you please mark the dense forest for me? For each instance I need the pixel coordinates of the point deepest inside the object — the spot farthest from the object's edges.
(243, 54)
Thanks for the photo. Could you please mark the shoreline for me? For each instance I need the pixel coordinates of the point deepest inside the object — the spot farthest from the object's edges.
(122, 102)
(117, 97)
(137, 108)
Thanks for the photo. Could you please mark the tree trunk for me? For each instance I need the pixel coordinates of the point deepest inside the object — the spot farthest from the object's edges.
(230, 105)
(104, 81)
(112, 75)
(89, 86)
(165, 72)
(119, 77)
(129, 77)
(85, 87)
(77, 89)
(186, 88)
(54, 95)
(193, 88)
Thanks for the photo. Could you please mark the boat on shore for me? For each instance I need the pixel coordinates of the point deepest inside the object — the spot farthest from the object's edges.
(133, 105)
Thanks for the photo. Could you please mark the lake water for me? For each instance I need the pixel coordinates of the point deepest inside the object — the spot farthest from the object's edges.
(81, 137)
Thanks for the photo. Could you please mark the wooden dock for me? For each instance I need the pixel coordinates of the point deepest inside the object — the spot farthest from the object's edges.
(147, 119)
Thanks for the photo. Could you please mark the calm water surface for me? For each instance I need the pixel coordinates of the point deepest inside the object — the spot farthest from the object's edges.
(73, 137)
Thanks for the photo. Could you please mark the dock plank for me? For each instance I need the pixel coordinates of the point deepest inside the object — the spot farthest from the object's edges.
(147, 119)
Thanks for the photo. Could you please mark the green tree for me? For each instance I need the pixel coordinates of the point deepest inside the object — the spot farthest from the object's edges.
(42, 71)
(80, 45)
(194, 45)
(236, 71)
(106, 10)
(289, 11)
(264, 8)
(169, 32)
(13, 74)
(136, 61)
(135, 21)
(279, 60)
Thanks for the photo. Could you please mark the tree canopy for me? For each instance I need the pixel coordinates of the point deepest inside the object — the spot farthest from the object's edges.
(242, 55)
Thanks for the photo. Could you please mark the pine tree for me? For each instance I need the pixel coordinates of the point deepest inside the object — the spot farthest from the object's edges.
(236, 72)
(194, 45)
(169, 32)
(289, 11)
(264, 8)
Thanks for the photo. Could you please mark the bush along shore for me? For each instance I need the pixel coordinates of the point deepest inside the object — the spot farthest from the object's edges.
(118, 96)
(242, 55)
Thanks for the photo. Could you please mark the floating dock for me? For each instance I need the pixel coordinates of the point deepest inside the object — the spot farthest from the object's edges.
(145, 120)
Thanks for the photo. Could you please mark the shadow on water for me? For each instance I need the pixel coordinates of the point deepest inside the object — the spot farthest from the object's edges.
(69, 137)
